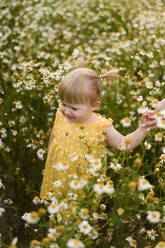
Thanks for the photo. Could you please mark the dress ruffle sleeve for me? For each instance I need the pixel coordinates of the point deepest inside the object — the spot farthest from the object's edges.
(104, 123)
(57, 119)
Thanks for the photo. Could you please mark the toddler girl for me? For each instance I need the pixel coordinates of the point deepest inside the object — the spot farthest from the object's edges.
(77, 145)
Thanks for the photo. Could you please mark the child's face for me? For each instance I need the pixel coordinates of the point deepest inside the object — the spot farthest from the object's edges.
(79, 113)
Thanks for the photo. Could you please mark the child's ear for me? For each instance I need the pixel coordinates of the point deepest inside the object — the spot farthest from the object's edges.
(96, 105)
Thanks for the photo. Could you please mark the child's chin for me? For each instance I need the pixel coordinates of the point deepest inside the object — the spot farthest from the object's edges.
(71, 119)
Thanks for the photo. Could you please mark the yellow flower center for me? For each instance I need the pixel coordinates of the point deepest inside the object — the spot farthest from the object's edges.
(35, 242)
(64, 163)
(144, 181)
(85, 226)
(34, 215)
(96, 162)
(162, 156)
(159, 135)
(76, 241)
(46, 241)
(127, 119)
(138, 161)
(54, 234)
(101, 185)
(53, 205)
(161, 244)
(36, 197)
(42, 211)
(120, 210)
(155, 100)
(132, 185)
(110, 186)
(154, 214)
(134, 242)
(163, 122)
(85, 211)
(76, 182)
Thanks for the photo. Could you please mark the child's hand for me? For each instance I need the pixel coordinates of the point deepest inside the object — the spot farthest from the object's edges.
(161, 106)
(148, 121)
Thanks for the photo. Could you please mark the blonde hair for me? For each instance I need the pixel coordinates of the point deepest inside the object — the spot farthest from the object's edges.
(83, 85)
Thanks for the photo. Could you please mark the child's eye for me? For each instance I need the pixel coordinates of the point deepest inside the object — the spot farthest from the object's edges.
(74, 108)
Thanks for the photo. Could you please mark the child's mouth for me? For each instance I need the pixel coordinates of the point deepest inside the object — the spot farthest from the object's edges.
(70, 117)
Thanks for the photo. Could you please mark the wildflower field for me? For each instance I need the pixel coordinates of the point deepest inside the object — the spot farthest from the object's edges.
(39, 42)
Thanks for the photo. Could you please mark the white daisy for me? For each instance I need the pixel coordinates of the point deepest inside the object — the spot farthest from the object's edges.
(2, 210)
(159, 136)
(154, 103)
(131, 241)
(1, 184)
(36, 200)
(109, 189)
(84, 213)
(142, 110)
(153, 216)
(53, 208)
(126, 122)
(75, 243)
(115, 166)
(31, 218)
(147, 145)
(96, 215)
(18, 104)
(14, 241)
(77, 184)
(88, 157)
(161, 123)
(162, 157)
(85, 227)
(99, 188)
(53, 245)
(144, 184)
(40, 153)
(96, 163)
(61, 166)
(53, 233)
(161, 244)
(152, 234)
(57, 183)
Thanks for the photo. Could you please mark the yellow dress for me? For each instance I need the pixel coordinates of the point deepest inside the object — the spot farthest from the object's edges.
(74, 148)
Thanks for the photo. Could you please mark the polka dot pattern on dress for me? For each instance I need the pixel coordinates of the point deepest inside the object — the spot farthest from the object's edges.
(71, 139)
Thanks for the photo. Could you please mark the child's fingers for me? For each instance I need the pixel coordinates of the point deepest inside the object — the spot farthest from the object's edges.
(151, 118)
(148, 116)
(151, 124)
(150, 112)
(153, 127)
(151, 115)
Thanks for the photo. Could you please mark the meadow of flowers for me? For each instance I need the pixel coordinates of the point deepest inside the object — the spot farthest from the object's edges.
(39, 43)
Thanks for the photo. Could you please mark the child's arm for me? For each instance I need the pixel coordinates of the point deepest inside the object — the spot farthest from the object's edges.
(161, 106)
(132, 140)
